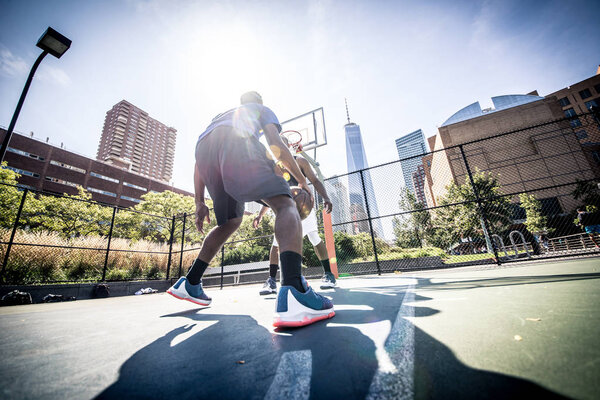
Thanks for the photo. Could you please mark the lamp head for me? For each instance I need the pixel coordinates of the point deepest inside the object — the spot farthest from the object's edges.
(54, 43)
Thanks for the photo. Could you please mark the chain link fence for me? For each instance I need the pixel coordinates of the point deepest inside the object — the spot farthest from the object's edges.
(505, 198)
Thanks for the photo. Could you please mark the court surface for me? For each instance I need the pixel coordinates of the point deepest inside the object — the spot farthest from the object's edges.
(516, 331)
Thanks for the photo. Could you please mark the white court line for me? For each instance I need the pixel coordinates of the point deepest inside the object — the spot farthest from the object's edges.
(292, 379)
(400, 346)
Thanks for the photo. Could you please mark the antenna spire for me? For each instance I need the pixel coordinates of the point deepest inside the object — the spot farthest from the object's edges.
(347, 113)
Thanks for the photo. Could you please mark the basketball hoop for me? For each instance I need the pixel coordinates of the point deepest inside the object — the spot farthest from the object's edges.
(294, 139)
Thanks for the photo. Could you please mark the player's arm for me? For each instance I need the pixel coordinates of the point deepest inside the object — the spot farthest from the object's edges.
(282, 153)
(202, 211)
(259, 217)
(312, 177)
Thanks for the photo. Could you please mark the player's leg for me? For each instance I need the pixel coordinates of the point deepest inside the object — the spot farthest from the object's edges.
(297, 303)
(311, 229)
(270, 285)
(328, 280)
(228, 212)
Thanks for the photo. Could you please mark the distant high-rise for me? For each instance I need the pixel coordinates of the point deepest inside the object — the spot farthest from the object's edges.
(413, 145)
(340, 214)
(357, 160)
(132, 140)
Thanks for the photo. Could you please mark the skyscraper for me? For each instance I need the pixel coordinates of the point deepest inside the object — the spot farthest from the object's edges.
(134, 141)
(357, 160)
(413, 145)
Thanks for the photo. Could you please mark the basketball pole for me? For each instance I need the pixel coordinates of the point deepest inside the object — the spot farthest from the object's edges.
(327, 225)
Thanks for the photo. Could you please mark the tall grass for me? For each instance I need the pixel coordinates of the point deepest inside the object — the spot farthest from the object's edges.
(49, 257)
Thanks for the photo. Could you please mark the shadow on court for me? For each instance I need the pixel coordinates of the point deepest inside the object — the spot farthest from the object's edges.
(203, 357)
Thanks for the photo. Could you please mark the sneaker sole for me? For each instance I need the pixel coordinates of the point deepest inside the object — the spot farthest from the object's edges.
(195, 301)
(280, 323)
(328, 286)
(264, 293)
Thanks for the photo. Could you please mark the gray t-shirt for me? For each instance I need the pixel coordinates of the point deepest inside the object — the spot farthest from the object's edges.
(250, 118)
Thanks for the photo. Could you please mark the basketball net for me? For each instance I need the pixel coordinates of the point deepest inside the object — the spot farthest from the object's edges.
(294, 138)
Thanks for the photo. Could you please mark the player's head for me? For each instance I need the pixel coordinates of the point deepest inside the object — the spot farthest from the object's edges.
(580, 209)
(251, 97)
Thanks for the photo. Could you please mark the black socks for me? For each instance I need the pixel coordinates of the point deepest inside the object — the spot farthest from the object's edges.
(273, 270)
(326, 266)
(196, 271)
(291, 270)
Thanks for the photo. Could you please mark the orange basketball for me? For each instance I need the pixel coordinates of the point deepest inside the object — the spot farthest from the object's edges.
(304, 201)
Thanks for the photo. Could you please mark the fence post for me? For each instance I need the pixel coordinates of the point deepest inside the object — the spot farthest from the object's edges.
(222, 262)
(170, 246)
(480, 206)
(110, 231)
(12, 235)
(362, 181)
(182, 242)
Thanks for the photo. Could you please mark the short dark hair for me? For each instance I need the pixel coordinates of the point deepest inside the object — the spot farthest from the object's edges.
(251, 97)
(580, 209)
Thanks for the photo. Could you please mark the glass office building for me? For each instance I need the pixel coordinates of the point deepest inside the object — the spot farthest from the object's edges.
(412, 145)
(357, 160)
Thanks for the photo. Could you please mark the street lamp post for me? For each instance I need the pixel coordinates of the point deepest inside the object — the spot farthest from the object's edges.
(53, 43)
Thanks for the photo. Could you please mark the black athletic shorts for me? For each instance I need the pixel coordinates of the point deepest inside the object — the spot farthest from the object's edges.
(236, 169)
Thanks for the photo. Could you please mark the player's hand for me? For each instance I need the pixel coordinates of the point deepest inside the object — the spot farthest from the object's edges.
(256, 221)
(202, 213)
(327, 206)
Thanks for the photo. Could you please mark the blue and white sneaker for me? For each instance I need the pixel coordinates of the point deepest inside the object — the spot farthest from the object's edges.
(270, 287)
(295, 309)
(183, 290)
(328, 281)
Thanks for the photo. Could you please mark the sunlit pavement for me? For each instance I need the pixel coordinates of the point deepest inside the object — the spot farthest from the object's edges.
(514, 332)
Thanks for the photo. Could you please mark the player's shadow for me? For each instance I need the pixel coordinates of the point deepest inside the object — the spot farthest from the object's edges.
(233, 357)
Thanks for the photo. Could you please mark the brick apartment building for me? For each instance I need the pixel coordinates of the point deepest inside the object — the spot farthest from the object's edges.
(134, 141)
(528, 160)
(53, 169)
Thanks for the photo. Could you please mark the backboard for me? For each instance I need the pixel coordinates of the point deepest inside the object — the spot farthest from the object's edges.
(311, 126)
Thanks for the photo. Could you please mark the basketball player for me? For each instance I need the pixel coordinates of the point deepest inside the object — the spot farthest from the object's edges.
(233, 165)
(309, 228)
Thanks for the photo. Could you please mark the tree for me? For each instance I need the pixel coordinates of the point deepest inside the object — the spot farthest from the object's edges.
(536, 221)
(71, 216)
(460, 215)
(10, 197)
(155, 218)
(411, 230)
(588, 192)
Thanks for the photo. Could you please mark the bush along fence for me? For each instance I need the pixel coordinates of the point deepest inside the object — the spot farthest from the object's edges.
(504, 198)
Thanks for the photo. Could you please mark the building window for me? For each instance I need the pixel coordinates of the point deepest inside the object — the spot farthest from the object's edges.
(591, 103)
(134, 186)
(582, 134)
(106, 178)
(26, 154)
(61, 181)
(130, 199)
(575, 123)
(104, 192)
(597, 87)
(585, 93)
(596, 157)
(24, 172)
(67, 166)
(564, 102)
(570, 113)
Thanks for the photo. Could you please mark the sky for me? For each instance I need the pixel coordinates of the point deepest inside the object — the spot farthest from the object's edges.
(402, 65)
